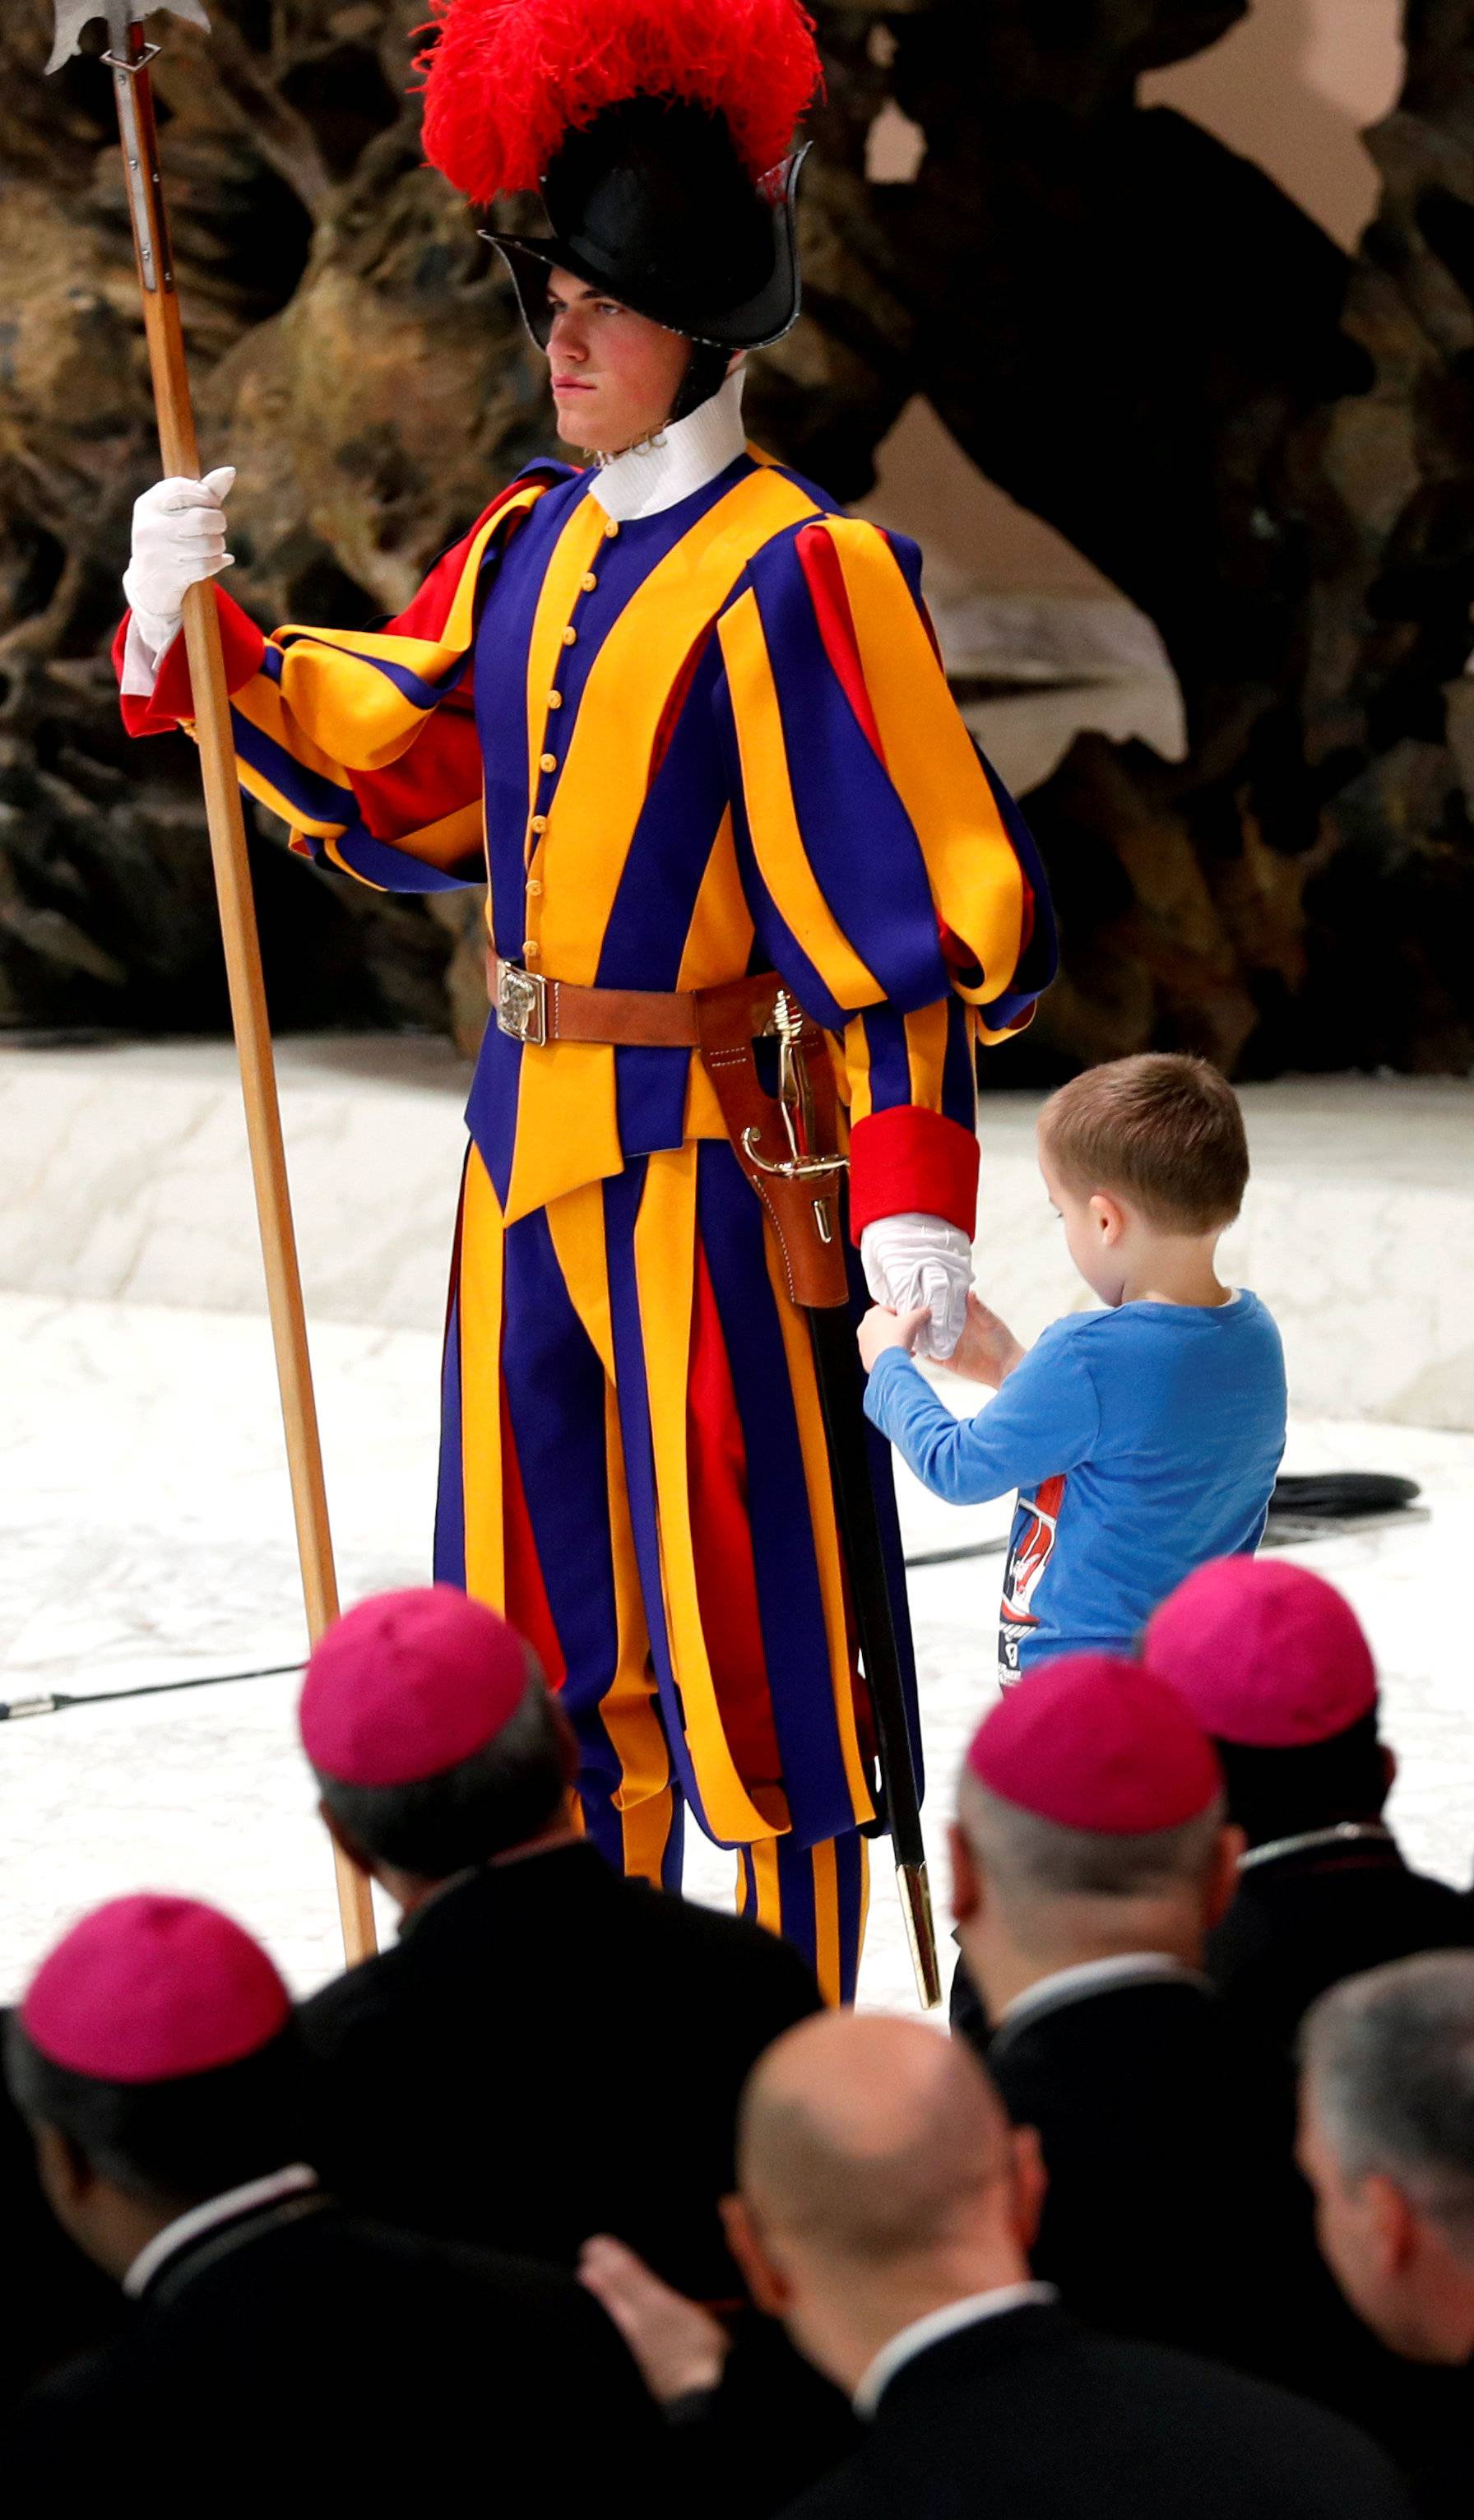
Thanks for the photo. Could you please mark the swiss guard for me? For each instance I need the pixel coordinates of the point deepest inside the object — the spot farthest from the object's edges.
(687, 720)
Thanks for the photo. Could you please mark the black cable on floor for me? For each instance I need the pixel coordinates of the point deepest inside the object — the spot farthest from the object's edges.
(1318, 1508)
(53, 1701)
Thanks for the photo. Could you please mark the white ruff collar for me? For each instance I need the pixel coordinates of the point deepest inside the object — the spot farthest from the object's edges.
(682, 457)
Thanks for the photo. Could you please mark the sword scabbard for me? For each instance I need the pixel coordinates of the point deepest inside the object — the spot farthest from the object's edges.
(920, 1932)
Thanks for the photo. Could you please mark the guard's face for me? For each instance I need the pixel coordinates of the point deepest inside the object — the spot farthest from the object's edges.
(615, 374)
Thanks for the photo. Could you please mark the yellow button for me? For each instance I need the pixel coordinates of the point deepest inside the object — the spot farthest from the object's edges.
(539, 824)
(548, 761)
(589, 583)
(531, 949)
(570, 637)
(554, 699)
(611, 530)
(533, 885)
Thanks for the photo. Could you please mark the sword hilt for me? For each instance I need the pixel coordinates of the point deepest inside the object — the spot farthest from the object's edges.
(798, 1167)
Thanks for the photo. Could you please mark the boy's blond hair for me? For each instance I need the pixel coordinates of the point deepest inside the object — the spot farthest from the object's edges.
(1162, 1131)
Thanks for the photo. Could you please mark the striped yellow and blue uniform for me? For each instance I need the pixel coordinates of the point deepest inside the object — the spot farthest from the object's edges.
(713, 741)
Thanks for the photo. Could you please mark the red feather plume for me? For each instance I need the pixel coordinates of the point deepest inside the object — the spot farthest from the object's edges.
(509, 78)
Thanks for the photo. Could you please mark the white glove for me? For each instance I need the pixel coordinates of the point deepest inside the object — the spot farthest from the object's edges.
(914, 1260)
(178, 538)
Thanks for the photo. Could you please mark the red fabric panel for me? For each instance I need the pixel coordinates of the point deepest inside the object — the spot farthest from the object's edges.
(722, 1533)
(824, 577)
(909, 1158)
(674, 703)
(442, 763)
(527, 1606)
(171, 698)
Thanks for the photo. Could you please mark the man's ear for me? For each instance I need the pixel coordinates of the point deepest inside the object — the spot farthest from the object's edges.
(1222, 1887)
(764, 2279)
(966, 1877)
(355, 1853)
(1031, 2186)
(1389, 1757)
(1390, 2220)
(66, 2173)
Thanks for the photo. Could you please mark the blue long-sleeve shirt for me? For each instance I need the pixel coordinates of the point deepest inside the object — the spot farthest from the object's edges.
(1141, 1442)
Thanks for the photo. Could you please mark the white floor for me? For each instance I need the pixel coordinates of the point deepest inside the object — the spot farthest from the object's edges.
(147, 1536)
(125, 1179)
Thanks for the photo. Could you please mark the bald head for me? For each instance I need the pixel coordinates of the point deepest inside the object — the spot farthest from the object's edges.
(879, 2181)
(868, 2137)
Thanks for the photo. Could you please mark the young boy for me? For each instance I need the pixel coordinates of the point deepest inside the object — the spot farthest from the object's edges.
(1143, 1439)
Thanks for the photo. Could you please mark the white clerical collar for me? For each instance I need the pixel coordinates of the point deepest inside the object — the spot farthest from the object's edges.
(1341, 1833)
(1092, 1977)
(682, 457)
(923, 2333)
(176, 2235)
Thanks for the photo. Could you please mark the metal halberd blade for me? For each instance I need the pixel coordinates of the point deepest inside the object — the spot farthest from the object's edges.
(119, 16)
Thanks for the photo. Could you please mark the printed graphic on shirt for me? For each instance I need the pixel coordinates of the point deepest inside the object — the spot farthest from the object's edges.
(1031, 1544)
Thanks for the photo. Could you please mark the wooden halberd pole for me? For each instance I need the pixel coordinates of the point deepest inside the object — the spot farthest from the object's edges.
(238, 921)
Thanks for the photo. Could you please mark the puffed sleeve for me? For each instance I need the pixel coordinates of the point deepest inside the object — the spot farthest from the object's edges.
(363, 741)
(890, 875)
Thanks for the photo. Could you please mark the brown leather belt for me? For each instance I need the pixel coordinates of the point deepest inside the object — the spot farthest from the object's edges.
(535, 1010)
(787, 1145)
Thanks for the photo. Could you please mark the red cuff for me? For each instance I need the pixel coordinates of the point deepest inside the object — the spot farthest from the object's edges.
(171, 698)
(911, 1160)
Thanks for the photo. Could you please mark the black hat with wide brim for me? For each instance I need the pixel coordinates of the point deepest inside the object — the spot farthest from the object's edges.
(651, 202)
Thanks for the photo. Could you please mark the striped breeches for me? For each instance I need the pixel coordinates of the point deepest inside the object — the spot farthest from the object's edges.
(633, 1470)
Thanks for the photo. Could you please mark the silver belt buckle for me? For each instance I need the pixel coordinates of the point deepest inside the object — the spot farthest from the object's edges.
(521, 1004)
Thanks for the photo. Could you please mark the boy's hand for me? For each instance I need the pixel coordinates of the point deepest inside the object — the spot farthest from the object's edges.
(986, 1351)
(881, 1329)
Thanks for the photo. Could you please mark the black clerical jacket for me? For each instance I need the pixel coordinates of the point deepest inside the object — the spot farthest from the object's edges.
(1322, 1911)
(293, 2352)
(550, 2050)
(1026, 2415)
(1175, 2212)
